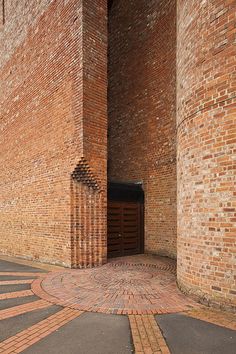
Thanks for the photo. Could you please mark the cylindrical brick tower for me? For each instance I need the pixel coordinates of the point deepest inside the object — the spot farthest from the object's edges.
(206, 127)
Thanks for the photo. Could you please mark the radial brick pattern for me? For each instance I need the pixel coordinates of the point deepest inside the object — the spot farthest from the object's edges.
(139, 285)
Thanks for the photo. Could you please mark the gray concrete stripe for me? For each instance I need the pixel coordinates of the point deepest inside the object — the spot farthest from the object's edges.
(185, 335)
(11, 326)
(5, 304)
(17, 277)
(16, 287)
(90, 333)
(6, 266)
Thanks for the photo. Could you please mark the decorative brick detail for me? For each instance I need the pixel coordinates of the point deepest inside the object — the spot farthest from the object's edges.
(142, 117)
(88, 236)
(83, 174)
(206, 122)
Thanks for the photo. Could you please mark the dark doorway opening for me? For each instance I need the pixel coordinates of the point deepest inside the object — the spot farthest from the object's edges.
(125, 219)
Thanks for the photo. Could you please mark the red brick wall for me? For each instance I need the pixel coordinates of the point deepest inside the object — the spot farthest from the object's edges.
(206, 66)
(43, 91)
(142, 144)
(89, 233)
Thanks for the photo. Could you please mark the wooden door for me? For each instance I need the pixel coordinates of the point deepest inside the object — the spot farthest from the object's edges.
(124, 228)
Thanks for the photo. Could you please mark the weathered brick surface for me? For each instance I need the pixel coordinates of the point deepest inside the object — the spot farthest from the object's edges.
(206, 66)
(15, 19)
(46, 113)
(142, 144)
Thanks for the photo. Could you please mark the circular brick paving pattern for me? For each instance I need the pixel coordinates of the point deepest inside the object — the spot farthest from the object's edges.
(124, 286)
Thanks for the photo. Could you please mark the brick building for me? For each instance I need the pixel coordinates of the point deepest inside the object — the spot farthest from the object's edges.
(150, 88)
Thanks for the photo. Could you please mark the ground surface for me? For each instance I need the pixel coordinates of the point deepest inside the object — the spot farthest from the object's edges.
(130, 305)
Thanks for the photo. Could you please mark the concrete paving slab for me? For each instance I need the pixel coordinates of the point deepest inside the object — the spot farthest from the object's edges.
(11, 326)
(186, 335)
(90, 333)
(5, 304)
(14, 287)
(6, 266)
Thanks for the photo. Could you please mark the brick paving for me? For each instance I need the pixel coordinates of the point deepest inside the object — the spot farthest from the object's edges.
(128, 285)
(28, 337)
(147, 336)
(223, 319)
(138, 286)
(18, 310)
(11, 282)
(16, 294)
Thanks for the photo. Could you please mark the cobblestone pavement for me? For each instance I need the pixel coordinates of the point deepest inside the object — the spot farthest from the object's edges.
(112, 309)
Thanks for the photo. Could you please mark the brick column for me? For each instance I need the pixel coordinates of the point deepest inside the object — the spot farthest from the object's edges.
(206, 126)
(89, 178)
